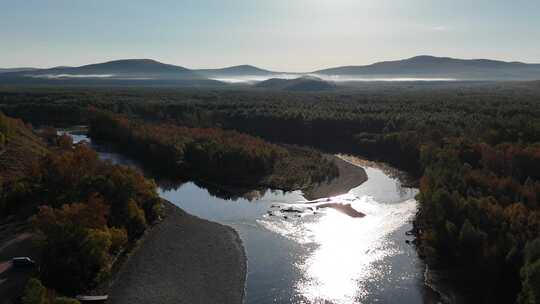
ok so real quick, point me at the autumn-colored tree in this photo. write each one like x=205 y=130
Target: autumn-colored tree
x=65 y=142
x=35 y=292
x=530 y=274
x=64 y=300
x=76 y=245
x=211 y=153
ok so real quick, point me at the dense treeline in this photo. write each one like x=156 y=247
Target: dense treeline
x=212 y=154
x=36 y=293
x=381 y=121
x=19 y=147
x=479 y=209
x=475 y=147
x=85 y=212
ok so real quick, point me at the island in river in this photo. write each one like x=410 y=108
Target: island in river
x=212 y=155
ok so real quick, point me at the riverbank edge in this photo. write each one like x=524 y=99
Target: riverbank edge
x=135 y=282
x=350 y=176
x=444 y=281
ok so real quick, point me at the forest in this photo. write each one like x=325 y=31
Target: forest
x=85 y=213
x=473 y=147
x=214 y=155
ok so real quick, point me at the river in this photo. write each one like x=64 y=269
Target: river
x=317 y=257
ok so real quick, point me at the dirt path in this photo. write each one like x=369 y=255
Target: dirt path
x=184 y=259
x=4 y=266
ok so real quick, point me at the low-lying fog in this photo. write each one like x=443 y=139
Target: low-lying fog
x=257 y=78
x=333 y=78
x=54 y=76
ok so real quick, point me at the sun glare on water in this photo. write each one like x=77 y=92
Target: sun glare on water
x=344 y=248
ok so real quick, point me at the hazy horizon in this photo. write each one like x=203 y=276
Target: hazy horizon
x=299 y=36
x=285 y=73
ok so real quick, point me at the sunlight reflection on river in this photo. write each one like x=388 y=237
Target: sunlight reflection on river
x=345 y=248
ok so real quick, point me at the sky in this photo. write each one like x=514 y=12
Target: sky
x=281 y=35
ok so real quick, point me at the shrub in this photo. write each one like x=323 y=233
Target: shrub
x=64 y=300
x=35 y=292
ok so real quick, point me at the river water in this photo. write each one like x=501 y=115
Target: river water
x=321 y=256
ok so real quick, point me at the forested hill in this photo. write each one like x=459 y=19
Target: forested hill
x=118 y=68
x=10 y=70
x=305 y=83
x=76 y=215
x=19 y=148
x=441 y=67
x=235 y=71
x=117 y=72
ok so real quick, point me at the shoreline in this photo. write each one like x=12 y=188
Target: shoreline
x=183 y=259
x=350 y=176
x=404 y=177
x=148 y=274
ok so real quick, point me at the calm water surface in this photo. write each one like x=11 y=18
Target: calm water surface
x=322 y=257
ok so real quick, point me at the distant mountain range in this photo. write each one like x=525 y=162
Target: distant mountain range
x=440 y=67
x=117 y=72
x=127 y=68
x=151 y=72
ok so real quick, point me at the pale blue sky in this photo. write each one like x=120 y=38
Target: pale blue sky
x=286 y=35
